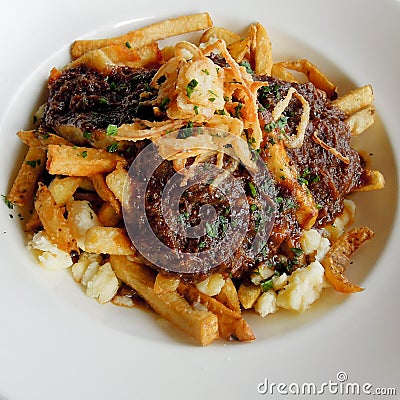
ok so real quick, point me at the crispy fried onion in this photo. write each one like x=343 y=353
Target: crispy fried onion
x=331 y=149
x=294 y=141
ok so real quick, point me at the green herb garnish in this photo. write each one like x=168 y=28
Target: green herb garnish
x=112 y=130
x=190 y=87
x=112 y=148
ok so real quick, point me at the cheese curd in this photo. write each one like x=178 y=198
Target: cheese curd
x=304 y=287
x=48 y=254
x=266 y=303
x=211 y=285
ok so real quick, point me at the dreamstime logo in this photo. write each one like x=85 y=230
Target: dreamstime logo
x=156 y=198
x=339 y=386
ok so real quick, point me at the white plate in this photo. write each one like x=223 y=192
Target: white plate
x=58 y=344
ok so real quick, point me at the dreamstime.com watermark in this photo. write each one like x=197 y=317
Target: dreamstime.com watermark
x=339 y=386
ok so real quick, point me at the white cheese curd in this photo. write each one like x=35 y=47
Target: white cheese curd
x=266 y=303
x=85 y=259
x=279 y=282
x=81 y=218
x=312 y=242
x=304 y=287
x=211 y=285
x=48 y=254
x=104 y=284
x=263 y=272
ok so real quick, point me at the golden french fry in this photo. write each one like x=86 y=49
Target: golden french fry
x=148 y=34
x=80 y=161
x=313 y=74
x=219 y=33
x=372 y=180
x=105 y=58
x=108 y=216
x=40 y=139
x=167 y=52
x=116 y=181
x=100 y=185
x=262 y=51
x=33 y=223
x=62 y=189
x=25 y=184
x=361 y=120
x=199 y=324
x=230 y=323
x=280 y=72
x=248 y=294
x=108 y=240
x=228 y=296
x=239 y=49
x=52 y=218
x=338 y=256
x=355 y=100
x=165 y=284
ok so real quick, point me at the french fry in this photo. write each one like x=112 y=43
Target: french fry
x=228 y=296
x=338 y=256
x=116 y=181
x=239 y=49
x=199 y=324
x=148 y=34
x=52 y=218
x=280 y=72
x=219 y=33
x=80 y=161
x=100 y=185
x=230 y=323
x=248 y=294
x=372 y=180
x=313 y=74
x=355 y=100
x=63 y=189
x=105 y=58
x=25 y=184
x=165 y=284
x=108 y=240
x=33 y=223
x=108 y=216
x=262 y=51
x=40 y=139
x=361 y=120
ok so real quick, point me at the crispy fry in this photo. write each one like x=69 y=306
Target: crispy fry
x=62 y=189
x=40 y=139
x=219 y=33
x=53 y=221
x=280 y=72
x=108 y=216
x=355 y=100
x=165 y=284
x=199 y=324
x=105 y=58
x=248 y=294
x=80 y=161
x=338 y=256
x=361 y=120
x=100 y=185
x=372 y=180
x=148 y=34
x=262 y=51
x=228 y=296
x=313 y=74
x=33 y=223
x=108 y=240
x=239 y=49
x=25 y=184
x=116 y=181
x=230 y=323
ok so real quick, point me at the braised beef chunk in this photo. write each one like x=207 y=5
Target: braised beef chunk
x=327 y=177
x=88 y=99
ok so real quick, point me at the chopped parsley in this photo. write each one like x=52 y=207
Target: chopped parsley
x=164 y=103
x=113 y=86
x=103 y=100
x=247 y=65
x=211 y=99
x=212 y=230
x=7 y=202
x=88 y=135
x=33 y=163
x=297 y=251
x=112 y=148
x=266 y=285
x=128 y=45
x=237 y=110
x=271 y=89
x=253 y=207
x=186 y=131
x=205 y=71
x=220 y=112
x=253 y=189
x=84 y=154
x=112 y=130
x=279 y=124
x=190 y=87
x=196 y=109
x=201 y=245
